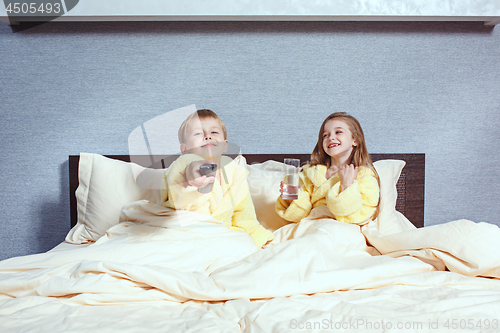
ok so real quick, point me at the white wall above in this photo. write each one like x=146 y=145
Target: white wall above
x=269 y=10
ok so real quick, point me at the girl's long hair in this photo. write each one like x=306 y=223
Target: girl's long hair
x=359 y=155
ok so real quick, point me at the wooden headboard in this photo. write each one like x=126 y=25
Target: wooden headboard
x=410 y=186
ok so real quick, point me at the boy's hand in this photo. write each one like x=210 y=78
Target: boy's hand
x=348 y=174
x=193 y=176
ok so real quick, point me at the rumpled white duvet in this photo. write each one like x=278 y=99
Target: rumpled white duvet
x=167 y=271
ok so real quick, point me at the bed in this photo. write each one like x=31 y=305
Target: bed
x=131 y=265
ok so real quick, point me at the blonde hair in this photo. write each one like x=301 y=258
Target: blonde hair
x=200 y=114
x=359 y=155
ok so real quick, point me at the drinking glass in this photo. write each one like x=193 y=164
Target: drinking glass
x=291 y=179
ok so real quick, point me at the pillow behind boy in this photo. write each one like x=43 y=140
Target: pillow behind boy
x=105 y=186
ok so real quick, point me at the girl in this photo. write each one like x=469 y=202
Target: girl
x=341 y=176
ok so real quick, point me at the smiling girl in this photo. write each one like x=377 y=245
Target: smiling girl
x=341 y=176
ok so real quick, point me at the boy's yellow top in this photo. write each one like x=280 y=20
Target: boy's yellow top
x=353 y=205
x=229 y=201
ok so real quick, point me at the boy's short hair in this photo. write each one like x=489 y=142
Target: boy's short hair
x=200 y=114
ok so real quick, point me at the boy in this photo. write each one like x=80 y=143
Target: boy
x=203 y=140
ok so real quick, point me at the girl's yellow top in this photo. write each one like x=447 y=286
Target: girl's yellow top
x=354 y=205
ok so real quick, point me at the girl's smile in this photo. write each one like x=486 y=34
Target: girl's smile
x=338 y=142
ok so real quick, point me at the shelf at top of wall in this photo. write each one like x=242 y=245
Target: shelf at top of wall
x=487 y=11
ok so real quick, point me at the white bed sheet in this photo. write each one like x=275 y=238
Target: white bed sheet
x=153 y=273
x=65 y=246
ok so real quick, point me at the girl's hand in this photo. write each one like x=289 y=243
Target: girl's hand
x=348 y=174
x=193 y=176
x=281 y=192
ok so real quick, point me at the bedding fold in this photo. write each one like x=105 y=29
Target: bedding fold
x=187 y=255
x=180 y=260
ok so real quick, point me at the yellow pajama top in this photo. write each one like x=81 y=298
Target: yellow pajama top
x=354 y=205
x=229 y=201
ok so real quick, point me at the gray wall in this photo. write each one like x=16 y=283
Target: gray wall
x=422 y=87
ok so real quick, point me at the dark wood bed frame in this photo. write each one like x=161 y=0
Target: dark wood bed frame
x=410 y=185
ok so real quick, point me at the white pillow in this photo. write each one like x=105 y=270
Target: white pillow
x=264 y=182
x=389 y=220
x=105 y=186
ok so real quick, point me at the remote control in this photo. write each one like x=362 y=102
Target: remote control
x=205 y=169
